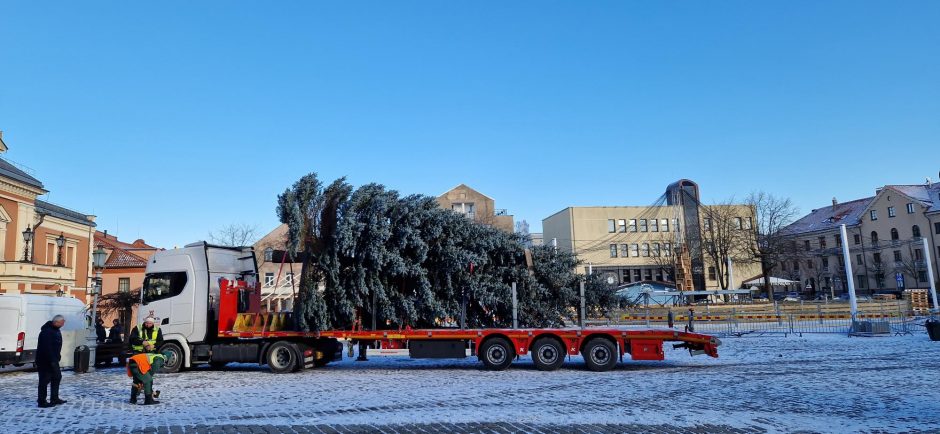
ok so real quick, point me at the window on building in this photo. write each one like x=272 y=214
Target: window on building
x=635 y=250
x=936 y=228
x=796 y=265
x=857 y=238
x=656 y=250
x=891 y=212
x=738 y=223
x=806 y=245
x=915 y=230
x=643 y=227
x=648 y=272
x=918 y=255
x=825 y=262
x=876 y=258
x=921 y=275
x=664 y=225
x=289 y=279
x=707 y=223
x=645 y=250
x=124 y=284
x=624 y=250
x=667 y=249
x=465 y=208
x=632 y=225
x=822 y=242
x=838 y=239
x=268 y=279
x=910 y=208
x=748 y=223
x=621 y=225
x=810 y=264
x=659 y=275
x=897 y=256
x=654 y=225
x=675 y=225
x=611 y=226
x=712 y=275
x=880 y=280
x=873 y=214
x=874 y=237
x=894 y=234
x=637 y=275
x=862 y=281
x=268 y=254
x=859 y=260
x=613 y=250
x=70 y=256
x=784 y=266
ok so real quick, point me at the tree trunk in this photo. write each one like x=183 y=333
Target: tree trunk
x=765 y=270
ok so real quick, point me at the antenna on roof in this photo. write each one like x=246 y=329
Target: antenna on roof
x=927 y=181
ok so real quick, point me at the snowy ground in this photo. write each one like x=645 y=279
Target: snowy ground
x=822 y=383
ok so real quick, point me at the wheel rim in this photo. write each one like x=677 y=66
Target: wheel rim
x=600 y=355
x=548 y=354
x=496 y=354
x=281 y=358
x=172 y=361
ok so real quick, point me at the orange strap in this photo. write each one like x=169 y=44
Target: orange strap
x=142 y=361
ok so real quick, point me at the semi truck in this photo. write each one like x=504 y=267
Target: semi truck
x=207 y=301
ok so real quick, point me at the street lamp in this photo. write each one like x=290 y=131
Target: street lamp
x=60 y=242
x=99 y=256
x=27 y=237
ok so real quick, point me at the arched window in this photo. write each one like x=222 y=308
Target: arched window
x=894 y=234
x=874 y=237
x=916 y=231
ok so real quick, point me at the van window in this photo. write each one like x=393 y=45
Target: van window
x=158 y=286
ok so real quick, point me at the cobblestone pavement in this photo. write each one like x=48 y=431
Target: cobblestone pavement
x=764 y=384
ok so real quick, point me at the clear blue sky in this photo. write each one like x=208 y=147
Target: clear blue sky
x=171 y=119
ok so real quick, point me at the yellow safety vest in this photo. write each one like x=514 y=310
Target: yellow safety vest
x=143 y=338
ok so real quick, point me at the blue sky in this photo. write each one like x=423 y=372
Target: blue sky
x=171 y=119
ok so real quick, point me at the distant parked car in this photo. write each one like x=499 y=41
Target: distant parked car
x=779 y=296
x=822 y=297
x=792 y=296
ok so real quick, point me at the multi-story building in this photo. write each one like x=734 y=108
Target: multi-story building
x=44 y=248
x=885 y=233
x=477 y=206
x=278 y=284
x=125 y=265
x=640 y=243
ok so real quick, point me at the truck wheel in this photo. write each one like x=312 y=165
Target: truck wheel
x=175 y=360
x=600 y=355
x=548 y=354
x=496 y=354
x=282 y=358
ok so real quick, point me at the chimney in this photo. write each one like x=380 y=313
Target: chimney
x=834 y=203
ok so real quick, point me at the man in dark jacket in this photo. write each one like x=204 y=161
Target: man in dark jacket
x=100 y=332
x=114 y=335
x=48 y=354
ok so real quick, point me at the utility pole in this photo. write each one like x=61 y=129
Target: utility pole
x=849 y=281
x=581 y=318
x=515 y=308
x=933 y=284
x=730 y=274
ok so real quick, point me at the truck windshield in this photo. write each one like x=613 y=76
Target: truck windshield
x=158 y=286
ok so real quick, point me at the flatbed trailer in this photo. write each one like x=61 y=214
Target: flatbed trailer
x=602 y=347
x=207 y=301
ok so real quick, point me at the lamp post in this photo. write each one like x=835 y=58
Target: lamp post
x=27 y=237
x=60 y=243
x=98 y=259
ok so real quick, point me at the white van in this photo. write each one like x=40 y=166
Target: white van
x=23 y=315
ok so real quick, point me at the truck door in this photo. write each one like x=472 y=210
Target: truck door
x=168 y=295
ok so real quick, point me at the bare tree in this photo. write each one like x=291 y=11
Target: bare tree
x=121 y=303
x=234 y=235
x=724 y=237
x=767 y=240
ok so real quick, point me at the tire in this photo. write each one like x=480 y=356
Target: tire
x=600 y=355
x=496 y=354
x=548 y=354
x=174 y=363
x=282 y=358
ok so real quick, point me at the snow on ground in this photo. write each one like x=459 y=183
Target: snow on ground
x=825 y=383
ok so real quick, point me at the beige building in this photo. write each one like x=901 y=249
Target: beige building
x=629 y=244
x=278 y=282
x=477 y=206
x=885 y=239
x=44 y=248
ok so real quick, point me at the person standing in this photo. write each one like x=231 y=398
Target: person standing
x=100 y=332
x=48 y=356
x=148 y=332
x=114 y=335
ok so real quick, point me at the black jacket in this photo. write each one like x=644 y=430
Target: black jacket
x=100 y=331
x=49 y=348
x=114 y=335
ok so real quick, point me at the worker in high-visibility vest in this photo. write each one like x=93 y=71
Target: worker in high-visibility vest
x=142 y=367
x=147 y=332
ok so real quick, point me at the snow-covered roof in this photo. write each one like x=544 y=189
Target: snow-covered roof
x=830 y=217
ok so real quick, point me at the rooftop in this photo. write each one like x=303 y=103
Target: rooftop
x=63 y=213
x=8 y=170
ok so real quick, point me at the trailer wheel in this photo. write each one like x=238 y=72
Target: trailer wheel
x=496 y=354
x=282 y=358
x=600 y=354
x=175 y=360
x=548 y=354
